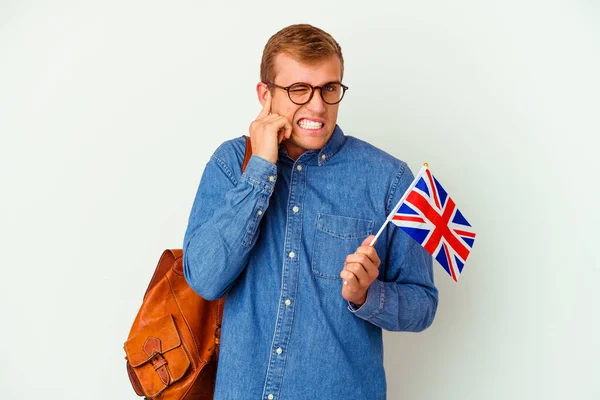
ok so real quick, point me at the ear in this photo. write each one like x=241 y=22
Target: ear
x=261 y=92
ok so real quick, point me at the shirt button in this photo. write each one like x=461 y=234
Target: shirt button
x=279 y=350
x=288 y=302
x=259 y=212
x=270 y=396
x=299 y=167
x=296 y=209
x=271 y=178
x=292 y=254
x=323 y=157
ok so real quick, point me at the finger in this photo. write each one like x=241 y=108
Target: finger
x=361 y=259
x=281 y=124
x=350 y=280
x=258 y=126
x=277 y=121
x=370 y=253
x=286 y=131
x=266 y=107
x=274 y=124
x=282 y=121
x=371 y=269
x=359 y=272
x=270 y=118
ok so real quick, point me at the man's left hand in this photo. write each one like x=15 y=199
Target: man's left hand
x=360 y=270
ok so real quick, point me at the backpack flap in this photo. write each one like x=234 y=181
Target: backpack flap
x=157 y=357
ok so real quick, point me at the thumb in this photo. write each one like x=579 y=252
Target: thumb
x=368 y=240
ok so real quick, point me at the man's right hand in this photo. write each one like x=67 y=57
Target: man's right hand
x=268 y=131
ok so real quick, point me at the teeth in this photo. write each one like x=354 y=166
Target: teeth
x=306 y=124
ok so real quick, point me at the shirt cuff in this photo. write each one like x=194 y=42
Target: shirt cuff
x=260 y=172
x=374 y=303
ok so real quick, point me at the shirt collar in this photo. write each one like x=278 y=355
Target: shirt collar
x=335 y=142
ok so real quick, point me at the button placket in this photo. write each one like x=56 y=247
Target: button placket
x=291 y=270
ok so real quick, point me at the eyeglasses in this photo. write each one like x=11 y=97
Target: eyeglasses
x=301 y=93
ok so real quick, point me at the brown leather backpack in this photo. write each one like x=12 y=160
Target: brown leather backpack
x=173 y=346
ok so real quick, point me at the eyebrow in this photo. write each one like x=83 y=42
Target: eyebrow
x=306 y=83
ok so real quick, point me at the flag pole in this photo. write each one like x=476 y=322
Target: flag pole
x=391 y=215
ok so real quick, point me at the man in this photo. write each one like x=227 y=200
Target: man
x=288 y=240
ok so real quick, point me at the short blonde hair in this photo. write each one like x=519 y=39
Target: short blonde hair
x=302 y=42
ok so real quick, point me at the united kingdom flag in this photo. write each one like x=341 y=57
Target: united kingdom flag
x=431 y=217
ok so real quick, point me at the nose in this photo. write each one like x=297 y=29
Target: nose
x=316 y=104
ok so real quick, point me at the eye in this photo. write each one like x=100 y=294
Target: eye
x=331 y=87
x=299 y=89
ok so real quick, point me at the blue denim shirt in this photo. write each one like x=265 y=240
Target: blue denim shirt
x=274 y=240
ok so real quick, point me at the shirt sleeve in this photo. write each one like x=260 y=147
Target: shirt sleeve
x=403 y=297
x=224 y=222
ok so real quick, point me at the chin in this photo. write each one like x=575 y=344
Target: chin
x=310 y=143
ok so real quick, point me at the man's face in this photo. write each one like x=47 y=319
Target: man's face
x=305 y=136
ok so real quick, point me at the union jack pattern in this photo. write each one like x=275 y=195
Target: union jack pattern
x=431 y=217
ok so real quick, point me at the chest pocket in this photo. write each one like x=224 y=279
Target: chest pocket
x=336 y=237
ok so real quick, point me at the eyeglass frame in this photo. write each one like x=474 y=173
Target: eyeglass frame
x=287 y=89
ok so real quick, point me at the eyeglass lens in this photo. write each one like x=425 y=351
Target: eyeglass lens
x=331 y=92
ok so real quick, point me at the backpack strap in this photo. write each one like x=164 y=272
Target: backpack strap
x=248 y=153
x=166 y=261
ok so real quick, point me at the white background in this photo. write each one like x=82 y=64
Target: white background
x=109 y=111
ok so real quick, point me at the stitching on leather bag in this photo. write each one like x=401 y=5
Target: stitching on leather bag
x=186 y=322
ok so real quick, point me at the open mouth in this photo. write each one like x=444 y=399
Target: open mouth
x=310 y=125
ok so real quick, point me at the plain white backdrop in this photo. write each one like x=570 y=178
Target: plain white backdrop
x=109 y=111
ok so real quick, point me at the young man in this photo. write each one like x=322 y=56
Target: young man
x=288 y=240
